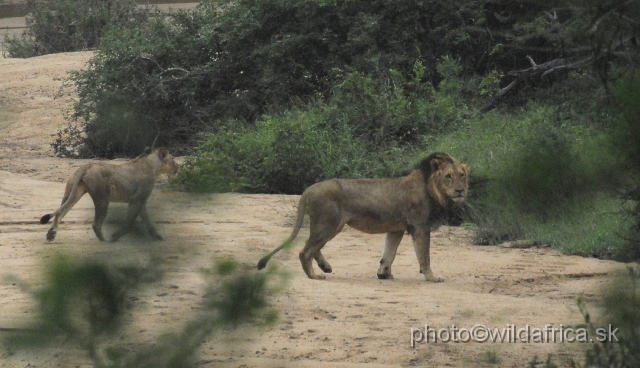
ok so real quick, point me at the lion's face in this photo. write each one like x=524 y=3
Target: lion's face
x=449 y=181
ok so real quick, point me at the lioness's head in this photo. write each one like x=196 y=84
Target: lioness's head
x=169 y=166
x=447 y=178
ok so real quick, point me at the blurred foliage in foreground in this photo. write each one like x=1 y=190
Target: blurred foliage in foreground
x=621 y=305
x=82 y=305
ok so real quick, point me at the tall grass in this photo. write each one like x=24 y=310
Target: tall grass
x=546 y=183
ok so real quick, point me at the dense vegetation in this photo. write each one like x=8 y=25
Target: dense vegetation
x=274 y=95
x=71 y=25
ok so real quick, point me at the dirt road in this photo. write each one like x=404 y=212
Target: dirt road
x=349 y=319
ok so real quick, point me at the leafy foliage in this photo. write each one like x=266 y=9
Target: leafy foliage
x=546 y=175
x=627 y=137
x=70 y=25
x=82 y=303
x=622 y=314
x=361 y=131
x=197 y=69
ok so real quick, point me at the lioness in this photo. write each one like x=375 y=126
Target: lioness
x=416 y=203
x=131 y=183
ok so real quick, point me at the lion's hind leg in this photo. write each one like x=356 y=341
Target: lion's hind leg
x=322 y=263
x=391 y=243
x=101 y=208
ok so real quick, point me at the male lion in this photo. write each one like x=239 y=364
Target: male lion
x=131 y=183
x=417 y=203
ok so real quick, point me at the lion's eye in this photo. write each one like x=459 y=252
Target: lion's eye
x=461 y=175
x=448 y=176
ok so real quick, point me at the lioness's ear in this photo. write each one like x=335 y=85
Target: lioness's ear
x=465 y=167
x=436 y=164
x=162 y=153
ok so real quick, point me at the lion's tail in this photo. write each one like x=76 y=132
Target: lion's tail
x=263 y=262
x=78 y=178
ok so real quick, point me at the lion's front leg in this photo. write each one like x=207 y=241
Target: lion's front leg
x=422 y=244
x=391 y=243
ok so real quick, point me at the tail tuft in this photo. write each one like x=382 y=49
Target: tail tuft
x=263 y=263
x=44 y=219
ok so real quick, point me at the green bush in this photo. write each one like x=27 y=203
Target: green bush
x=283 y=155
x=81 y=305
x=366 y=129
x=621 y=306
x=627 y=138
x=545 y=178
x=238 y=60
x=70 y=25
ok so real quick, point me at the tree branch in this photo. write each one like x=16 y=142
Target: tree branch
x=541 y=70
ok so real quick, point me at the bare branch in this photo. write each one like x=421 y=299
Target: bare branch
x=537 y=70
x=498 y=96
x=576 y=65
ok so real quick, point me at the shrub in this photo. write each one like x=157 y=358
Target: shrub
x=364 y=130
x=70 y=25
x=82 y=305
x=241 y=59
x=283 y=155
x=621 y=305
x=627 y=139
x=542 y=177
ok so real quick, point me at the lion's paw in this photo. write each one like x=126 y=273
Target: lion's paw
x=325 y=267
x=51 y=234
x=432 y=278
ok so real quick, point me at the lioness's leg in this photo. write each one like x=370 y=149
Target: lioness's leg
x=132 y=213
x=421 y=244
x=101 y=207
x=75 y=197
x=391 y=243
x=149 y=224
x=322 y=230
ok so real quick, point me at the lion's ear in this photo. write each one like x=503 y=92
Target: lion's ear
x=465 y=167
x=436 y=164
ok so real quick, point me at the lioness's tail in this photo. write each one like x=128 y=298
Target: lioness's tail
x=78 y=178
x=263 y=262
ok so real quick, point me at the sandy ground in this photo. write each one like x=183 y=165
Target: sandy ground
x=350 y=319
